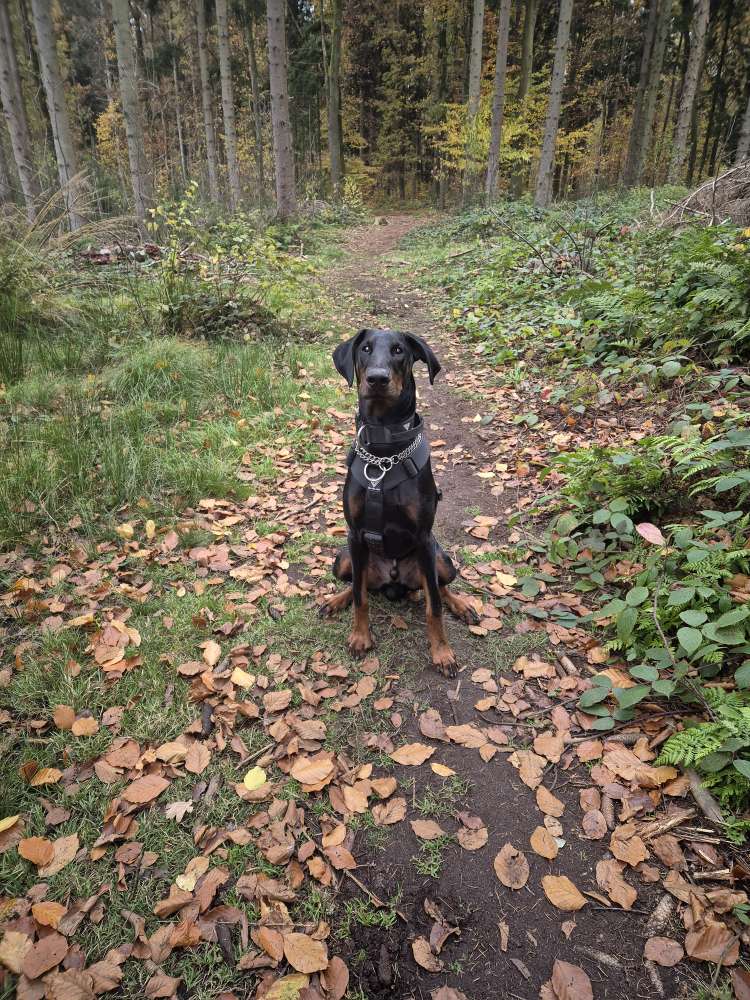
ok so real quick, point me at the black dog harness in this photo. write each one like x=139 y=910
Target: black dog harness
x=379 y=474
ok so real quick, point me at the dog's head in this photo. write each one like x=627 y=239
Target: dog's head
x=382 y=361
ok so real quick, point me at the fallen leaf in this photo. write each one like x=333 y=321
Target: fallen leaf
x=594 y=824
x=304 y=953
x=145 y=789
x=161 y=985
x=548 y=803
x=609 y=878
x=511 y=867
x=390 y=812
x=64 y=716
x=86 y=726
x=48 y=952
x=714 y=942
x=197 y=758
x=254 y=778
x=544 y=844
x=412 y=754
x=38 y=850
x=427 y=829
x=420 y=949
x=570 y=982
x=335 y=979
x=663 y=951
x=442 y=770
x=561 y=892
x=13 y=948
x=48 y=913
x=65 y=849
x=288 y=987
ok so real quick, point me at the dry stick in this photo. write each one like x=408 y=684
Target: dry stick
x=376 y=902
x=708 y=804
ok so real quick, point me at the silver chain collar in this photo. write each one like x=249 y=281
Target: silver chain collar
x=382 y=462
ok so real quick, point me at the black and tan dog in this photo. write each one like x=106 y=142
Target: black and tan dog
x=390 y=496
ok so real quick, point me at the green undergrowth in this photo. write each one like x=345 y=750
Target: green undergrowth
x=148 y=378
x=597 y=305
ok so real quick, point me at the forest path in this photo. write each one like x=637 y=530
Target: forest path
x=470 y=424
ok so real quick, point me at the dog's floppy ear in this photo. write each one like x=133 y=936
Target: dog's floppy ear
x=343 y=356
x=423 y=352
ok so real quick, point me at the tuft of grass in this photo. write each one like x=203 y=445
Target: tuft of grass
x=431 y=857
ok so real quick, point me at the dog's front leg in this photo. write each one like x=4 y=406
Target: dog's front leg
x=443 y=658
x=360 y=638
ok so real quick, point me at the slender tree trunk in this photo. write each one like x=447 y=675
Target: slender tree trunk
x=648 y=113
x=227 y=103
x=527 y=50
x=6 y=188
x=743 y=143
x=14 y=110
x=635 y=140
x=283 y=152
x=334 y=102
x=177 y=99
x=475 y=59
x=718 y=88
x=545 y=175
x=701 y=11
x=474 y=92
x=65 y=152
x=524 y=82
x=498 y=99
x=257 y=111
x=207 y=102
x=131 y=109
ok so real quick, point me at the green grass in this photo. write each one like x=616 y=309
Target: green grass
x=431 y=857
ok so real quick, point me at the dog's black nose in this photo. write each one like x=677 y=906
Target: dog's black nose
x=378 y=377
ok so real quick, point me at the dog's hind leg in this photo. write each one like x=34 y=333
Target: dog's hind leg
x=455 y=603
x=342 y=570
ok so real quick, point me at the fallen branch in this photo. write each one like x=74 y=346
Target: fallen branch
x=708 y=804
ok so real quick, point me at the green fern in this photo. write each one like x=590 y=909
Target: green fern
x=689 y=747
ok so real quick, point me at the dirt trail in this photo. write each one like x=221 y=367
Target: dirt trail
x=606 y=941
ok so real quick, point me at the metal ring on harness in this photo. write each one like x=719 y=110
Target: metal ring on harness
x=374 y=481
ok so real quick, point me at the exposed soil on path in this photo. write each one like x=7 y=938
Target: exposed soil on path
x=605 y=940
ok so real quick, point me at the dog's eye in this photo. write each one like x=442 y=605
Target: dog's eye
x=367 y=349
x=397 y=349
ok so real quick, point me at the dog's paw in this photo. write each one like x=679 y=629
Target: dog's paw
x=359 y=643
x=334 y=603
x=444 y=660
x=468 y=615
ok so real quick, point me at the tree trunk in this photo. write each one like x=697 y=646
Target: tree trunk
x=498 y=99
x=131 y=109
x=635 y=140
x=14 y=110
x=227 y=103
x=474 y=92
x=6 y=189
x=177 y=99
x=743 y=143
x=65 y=152
x=656 y=64
x=475 y=59
x=257 y=115
x=527 y=50
x=334 y=102
x=699 y=25
x=207 y=102
x=545 y=175
x=718 y=88
x=524 y=82
x=286 y=198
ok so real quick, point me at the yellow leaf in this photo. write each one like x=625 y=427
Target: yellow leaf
x=442 y=770
x=242 y=678
x=254 y=778
x=7 y=823
x=150 y=529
